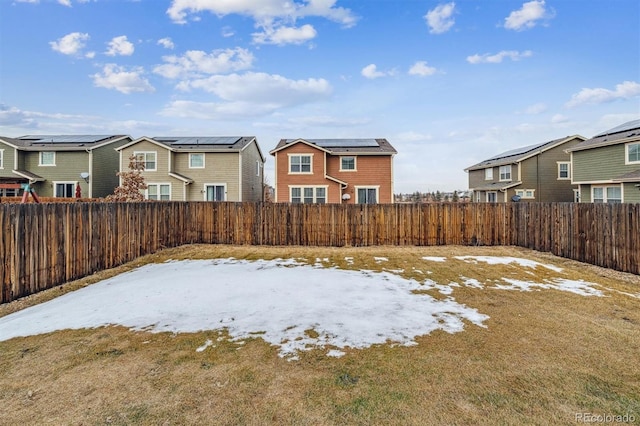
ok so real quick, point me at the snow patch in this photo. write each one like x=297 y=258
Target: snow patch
x=505 y=260
x=434 y=258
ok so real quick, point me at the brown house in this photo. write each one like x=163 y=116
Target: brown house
x=540 y=172
x=334 y=171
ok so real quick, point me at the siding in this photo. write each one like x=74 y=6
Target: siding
x=106 y=163
x=600 y=164
x=161 y=175
x=8 y=156
x=251 y=183
x=371 y=170
x=316 y=178
x=220 y=168
x=68 y=167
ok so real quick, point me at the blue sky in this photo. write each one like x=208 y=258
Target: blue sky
x=449 y=84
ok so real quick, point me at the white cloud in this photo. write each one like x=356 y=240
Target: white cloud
x=65 y=2
x=118 y=78
x=216 y=110
x=624 y=90
x=371 y=71
x=439 y=19
x=498 y=57
x=261 y=88
x=526 y=17
x=535 y=109
x=120 y=46
x=559 y=118
x=285 y=35
x=422 y=69
x=71 y=44
x=195 y=63
x=227 y=32
x=262 y=10
x=166 y=42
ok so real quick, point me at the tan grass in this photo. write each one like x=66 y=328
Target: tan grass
x=544 y=356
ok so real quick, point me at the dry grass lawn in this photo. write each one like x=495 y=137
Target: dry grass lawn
x=544 y=357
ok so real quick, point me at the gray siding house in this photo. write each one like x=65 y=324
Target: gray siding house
x=224 y=168
x=606 y=168
x=54 y=165
x=540 y=172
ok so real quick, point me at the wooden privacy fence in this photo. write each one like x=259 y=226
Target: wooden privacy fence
x=45 y=245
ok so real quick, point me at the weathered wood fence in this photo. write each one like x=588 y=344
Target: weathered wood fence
x=45 y=245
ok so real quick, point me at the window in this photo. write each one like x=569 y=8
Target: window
x=196 y=161
x=9 y=192
x=478 y=196
x=347 y=163
x=148 y=159
x=309 y=194
x=633 y=153
x=257 y=168
x=47 y=159
x=300 y=163
x=564 y=170
x=526 y=193
x=505 y=172
x=64 y=189
x=492 y=197
x=367 y=195
x=488 y=174
x=159 y=191
x=1 y=158
x=215 y=192
x=606 y=194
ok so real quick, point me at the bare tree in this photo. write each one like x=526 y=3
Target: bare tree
x=132 y=183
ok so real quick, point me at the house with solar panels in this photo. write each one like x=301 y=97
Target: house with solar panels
x=606 y=168
x=57 y=165
x=334 y=171
x=539 y=172
x=227 y=168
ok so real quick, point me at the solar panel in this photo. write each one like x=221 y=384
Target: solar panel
x=517 y=151
x=634 y=124
x=198 y=140
x=64 y=138
x=342 y=143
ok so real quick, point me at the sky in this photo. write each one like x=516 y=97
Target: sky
x=449 y=84
x=280 y=300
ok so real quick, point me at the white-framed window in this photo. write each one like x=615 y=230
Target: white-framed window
x=158 y=191
x=488 y=173
x=196 y=160
x=148 y=158
x=492 y=196
x=9 y=192
x=576 y=195
x=64 y=189
x=505 y=172
x=632 y=153
x=308 y=194
x=1 y=158
x=606 y=194
x=564 y=170
x=367 y=194
x=257 y=168
x=478 y=196
x=347 y=164
x=47 y=158
x=526 y=193
x=300 y=163
x=215 y=192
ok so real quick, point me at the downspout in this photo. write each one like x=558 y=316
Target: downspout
x=91 y=175
x=240 y=197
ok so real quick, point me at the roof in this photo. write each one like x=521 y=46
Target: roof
x=519 y=154
x=28 y=175
x=369 y=146
x=199 y=143
x=495 y=186
x=623 y=133
x=61 y=142
x=629 y=177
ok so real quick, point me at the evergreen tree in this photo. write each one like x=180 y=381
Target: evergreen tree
x=455 y=197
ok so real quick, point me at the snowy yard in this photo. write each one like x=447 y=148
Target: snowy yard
x=289 y=303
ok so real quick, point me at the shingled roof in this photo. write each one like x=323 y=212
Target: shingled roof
x=619 y=134
x=369 y=146
x=60 y=142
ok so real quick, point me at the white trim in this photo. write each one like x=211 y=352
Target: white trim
x=523 y=194
x=315 y=192
x=1 y=158
x=626 y=153
x=593 y=182
x=486 y=197
x=136 y=153
x=310 y=172
x=63 y=182
x=204 y=191
x=568 y=164
x=90 y=183
x=191 y=154
x=604 y=191
x=355 y=163
x=488 y=176
x=376 y=187
x=158 y=184
x=510 y=178
x=40 y=159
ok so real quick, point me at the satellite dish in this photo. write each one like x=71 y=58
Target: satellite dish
x=346 y=196
x=515 y=198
